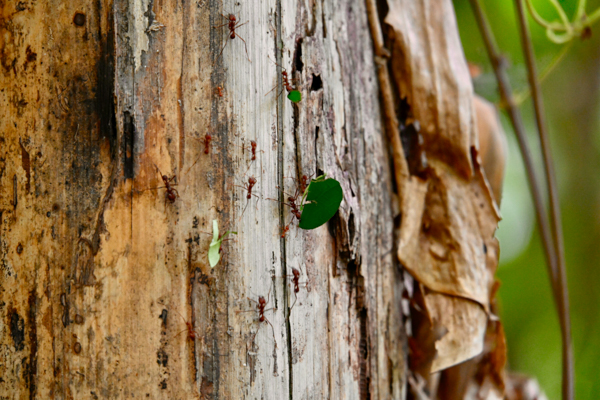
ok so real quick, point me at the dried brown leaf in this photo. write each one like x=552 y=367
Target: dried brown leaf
x=449 y=214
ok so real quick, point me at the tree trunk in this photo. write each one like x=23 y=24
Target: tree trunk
x=100 y=270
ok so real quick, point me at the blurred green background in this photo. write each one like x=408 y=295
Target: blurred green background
x=571 y=96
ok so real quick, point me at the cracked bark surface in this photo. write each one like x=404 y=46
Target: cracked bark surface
x=99 y=271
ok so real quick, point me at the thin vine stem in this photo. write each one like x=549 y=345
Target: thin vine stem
x=580 y=9
x=562 y=15
x=550 y=250
x=524 y=95
x=557 y=234
x=538 y=18
x=499 y=66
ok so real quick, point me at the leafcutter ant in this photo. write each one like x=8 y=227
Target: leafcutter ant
x=171 y=194
x=294 y=209
x=260 y=308
x=302 y=184
x=248 y=187
x=232 y=25
x=253 y=150
x=191 y=332
x=295 y=278
x=296 y=281
x=285 y=230
x=206 y=141
x=286 y=86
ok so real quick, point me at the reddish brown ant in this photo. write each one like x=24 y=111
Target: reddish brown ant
x=219 y=91
x=296 y=281
x=207 y=139
x=248 y=187
x=302 y=184
x=285 y=81
x=252 y=148
x=285 y=230
x=191 y=332
x=207 y=145
x=171 y=194
x=232 y=25
x=294 y=209
x=260 y=307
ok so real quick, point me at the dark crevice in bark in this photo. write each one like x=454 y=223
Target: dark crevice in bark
x=298 y=63
x=364 y=382
x=278 y=47
x=105 y=87
x=317 y=83
x=16 y=325
x=128 y=144
x=31 y=377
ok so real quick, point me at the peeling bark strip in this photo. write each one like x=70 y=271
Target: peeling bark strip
x=100 y=270
x=449 y=213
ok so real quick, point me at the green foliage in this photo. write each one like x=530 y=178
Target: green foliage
x=214 y=250
x=321 y=200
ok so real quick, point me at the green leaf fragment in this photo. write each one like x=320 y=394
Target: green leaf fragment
x=323 y=198
x=214 y=250
x=295 y=96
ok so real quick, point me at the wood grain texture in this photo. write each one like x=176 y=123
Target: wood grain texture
x=99 y=271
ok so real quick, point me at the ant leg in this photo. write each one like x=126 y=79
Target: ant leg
x=220 y=26
x=274 y=62
x=269 y=295
x=243 y=311
x=174 y=336
x=252 y=300
x=295 y=300
x=188 y=170
x=257 y=198
x=143 y=190
x=272 y=330
x=246 y=206
x=247 y=169
x=274 y=87
x=221 y=52
x=245 y=45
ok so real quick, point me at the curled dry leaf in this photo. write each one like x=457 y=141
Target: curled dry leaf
x=449 y=214
x=481 y=377
x=493 y=147
x=461 y=317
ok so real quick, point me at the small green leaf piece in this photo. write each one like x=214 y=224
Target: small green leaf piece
x=323 y=198
x=214 y=250
x=295 y=96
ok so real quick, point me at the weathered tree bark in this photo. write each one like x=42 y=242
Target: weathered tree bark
x=98 y=267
